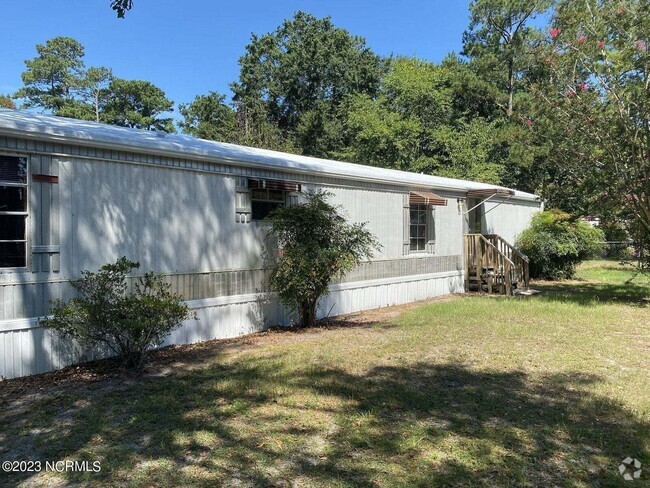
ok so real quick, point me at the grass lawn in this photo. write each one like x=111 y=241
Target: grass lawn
x=549 y=390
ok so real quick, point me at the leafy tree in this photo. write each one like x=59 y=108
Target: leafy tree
x=51 y=77
x=137 y=104
x=297 y=78
x=317 y=245
x=209 y=117
x=94 y=89
x=254 y=128
x=416 y=123
x=394 y=128
x=106 y=314
x=6 y=102
x=556 y=242
x=498 y=41
x=598 y=96
x=89 y=96
x=380 y=136
x=501 y=46
x=471 y=95
x=57 y=81
x=419 y=88
x=467 y=150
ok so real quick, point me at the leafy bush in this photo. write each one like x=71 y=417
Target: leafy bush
x=556 y=242
x=106 y=313
x=621 y=251
x=317 y=245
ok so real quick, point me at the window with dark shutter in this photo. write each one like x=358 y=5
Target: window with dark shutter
x=13 y=211
x=420 y=232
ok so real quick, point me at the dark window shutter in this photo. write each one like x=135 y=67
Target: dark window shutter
x=431 y=229
x=44 y=214
x=406 y=242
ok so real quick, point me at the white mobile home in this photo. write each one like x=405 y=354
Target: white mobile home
x=75 y=195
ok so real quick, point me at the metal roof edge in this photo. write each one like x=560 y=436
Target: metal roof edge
x=203 y=154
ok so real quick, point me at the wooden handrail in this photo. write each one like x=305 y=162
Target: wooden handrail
x=497 y=249
x=508 y=265
x=481 y=254
x=512 y=248
x=516 y=256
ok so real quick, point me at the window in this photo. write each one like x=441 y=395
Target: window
x=418 y=227
x=13 y=211
x=264 y=201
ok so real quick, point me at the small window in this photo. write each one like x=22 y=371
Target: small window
x=13 y=211
x=418 y=227
x=264 y=201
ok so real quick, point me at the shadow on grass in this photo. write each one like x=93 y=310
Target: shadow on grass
x=414 y=425
x=332 y=323
x=588 y=293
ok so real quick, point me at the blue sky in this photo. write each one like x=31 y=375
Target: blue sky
x=189 y=47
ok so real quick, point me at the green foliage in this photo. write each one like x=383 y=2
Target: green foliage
x=7 y=102
x=106 y=313
x=556 y=111
x=88 y=96
x=208 y=117
x=556 y=242
x=57 y=81
x=596 y=94
x=94 y=91
x=467 y=150
x=316 y=245
x=138 y=104
x=498 y=42
x=380 y=136
x=296 y=79
x=51 y=78
x=414 y=124
x=501 y=46
x=419 y=88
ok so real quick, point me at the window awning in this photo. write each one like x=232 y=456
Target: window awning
x=490 y=192
x=426 y=198
x=273 y=185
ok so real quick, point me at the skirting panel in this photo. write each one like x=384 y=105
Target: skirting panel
x=26 y=348
x=33 y=299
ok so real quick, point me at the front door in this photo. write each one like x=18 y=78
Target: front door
x=475 y=216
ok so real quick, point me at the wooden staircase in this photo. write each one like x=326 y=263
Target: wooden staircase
x=493 y=265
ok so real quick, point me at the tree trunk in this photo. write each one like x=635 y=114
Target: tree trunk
x=511 y=87
x=308 y=314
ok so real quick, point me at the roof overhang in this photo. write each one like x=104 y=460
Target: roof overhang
x=58 y=130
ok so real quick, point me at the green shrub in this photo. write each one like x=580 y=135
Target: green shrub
x=556 y=242
x=621 y=251
x=317 y=245
x=106 y=313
